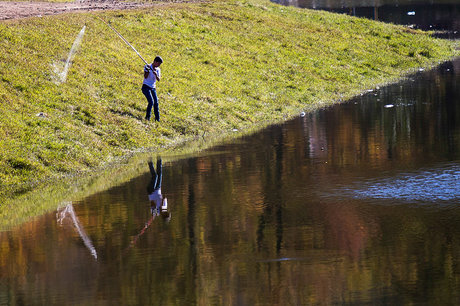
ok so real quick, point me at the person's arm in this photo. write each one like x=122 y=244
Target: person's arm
x=157 y=76
x=146 y=71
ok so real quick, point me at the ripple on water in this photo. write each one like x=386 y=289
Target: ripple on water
x=438 y=184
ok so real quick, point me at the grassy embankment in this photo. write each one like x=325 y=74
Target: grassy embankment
x=228 y=65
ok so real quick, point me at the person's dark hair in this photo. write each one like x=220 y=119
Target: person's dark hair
x=158 y=59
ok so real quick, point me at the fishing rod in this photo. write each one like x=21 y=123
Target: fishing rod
x=127 y=42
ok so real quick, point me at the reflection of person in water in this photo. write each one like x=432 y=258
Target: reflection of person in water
x=158 y=203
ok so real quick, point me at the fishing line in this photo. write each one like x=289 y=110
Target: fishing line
x=121 y=36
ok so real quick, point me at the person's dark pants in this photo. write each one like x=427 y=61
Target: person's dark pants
x=152 y=99
x=155 y=182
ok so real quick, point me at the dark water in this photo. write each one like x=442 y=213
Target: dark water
x=441 y=16
x=358 y=203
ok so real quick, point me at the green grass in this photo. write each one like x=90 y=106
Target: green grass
x=232 y=64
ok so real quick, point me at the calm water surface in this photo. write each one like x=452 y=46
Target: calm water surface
x=358 y=203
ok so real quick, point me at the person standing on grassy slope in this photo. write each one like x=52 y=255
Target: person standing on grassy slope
x=152 y=74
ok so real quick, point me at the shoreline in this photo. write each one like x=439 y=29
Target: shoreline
x=19 y=209
x=211 y=107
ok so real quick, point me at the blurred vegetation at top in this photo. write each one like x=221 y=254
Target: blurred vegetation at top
x=227 y=65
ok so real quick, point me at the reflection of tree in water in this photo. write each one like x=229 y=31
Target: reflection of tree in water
x=345 y=229
x=316 y=136
x=273 y=205
x=193 y=260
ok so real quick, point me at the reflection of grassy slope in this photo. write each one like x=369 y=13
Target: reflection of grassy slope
x=32 y=202
x=227 y=65
x=17 y=210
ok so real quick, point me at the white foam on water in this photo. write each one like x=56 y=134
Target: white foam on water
x=61 y=72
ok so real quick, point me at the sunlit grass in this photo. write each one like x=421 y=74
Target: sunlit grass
x=229 y=65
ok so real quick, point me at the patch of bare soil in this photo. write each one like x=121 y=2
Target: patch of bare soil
x=17 y=10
